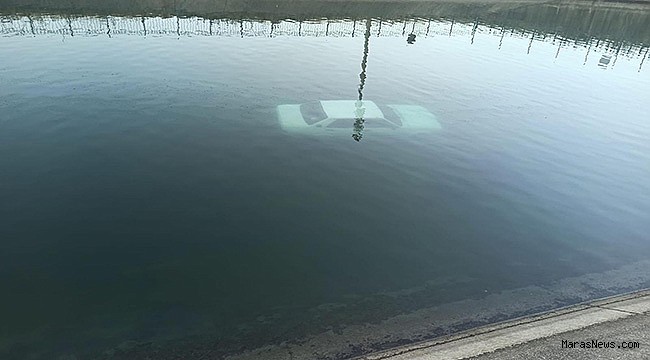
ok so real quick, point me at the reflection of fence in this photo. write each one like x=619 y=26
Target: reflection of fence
x=195 y=26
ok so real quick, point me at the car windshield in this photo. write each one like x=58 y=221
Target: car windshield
x=312 y=112
x=390 y=115
x=368 y=123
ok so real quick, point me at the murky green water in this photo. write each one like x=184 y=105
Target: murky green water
x=151 y=205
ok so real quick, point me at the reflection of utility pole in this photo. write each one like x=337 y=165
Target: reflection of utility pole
x=144 y=27
x=474 y=29
x=364 y=61
x=503 y=33
x=589 y=41
x=530 y=44
x=31 y=24
x=618 y=50
x=411 y=38
x=559 y=46
x=357 y=133
x=643 y=58
x=108 y=26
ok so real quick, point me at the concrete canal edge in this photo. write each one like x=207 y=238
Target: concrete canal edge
x=506 y=334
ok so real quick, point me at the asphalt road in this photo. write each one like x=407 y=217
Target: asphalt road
x=611 y=328
x=631 y=330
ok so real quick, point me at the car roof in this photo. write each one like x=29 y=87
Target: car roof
x=345 y=109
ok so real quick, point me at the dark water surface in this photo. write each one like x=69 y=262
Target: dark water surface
x=150 y=201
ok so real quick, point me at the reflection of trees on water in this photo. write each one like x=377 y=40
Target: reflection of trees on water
x=357 y=133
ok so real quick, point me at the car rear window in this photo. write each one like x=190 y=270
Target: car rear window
x=367 y=123
x=312 y=112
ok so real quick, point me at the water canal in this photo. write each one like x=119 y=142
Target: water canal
x=153 y=205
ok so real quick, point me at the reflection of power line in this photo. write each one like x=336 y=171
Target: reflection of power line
x=357 y=132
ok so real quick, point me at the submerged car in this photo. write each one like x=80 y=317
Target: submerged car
x=343 y=116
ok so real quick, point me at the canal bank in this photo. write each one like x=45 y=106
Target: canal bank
x=476 y=326
x=615 y=324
